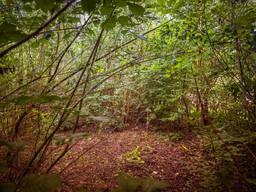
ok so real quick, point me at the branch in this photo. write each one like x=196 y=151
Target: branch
x=132 y=40
x=35 y=33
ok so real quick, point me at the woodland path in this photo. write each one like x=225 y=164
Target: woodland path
x=171 y=161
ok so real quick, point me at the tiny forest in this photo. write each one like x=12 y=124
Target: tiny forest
x=127 y=95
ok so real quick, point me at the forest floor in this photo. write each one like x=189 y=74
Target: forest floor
x=99 y=158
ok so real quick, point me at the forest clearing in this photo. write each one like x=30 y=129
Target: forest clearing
x=127 y=95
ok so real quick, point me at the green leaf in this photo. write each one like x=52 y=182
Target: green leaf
x=150 y=185
x=45 y=5
x=126 y=183
x=124 y=20
x=22 y=100
x=161 y=2
x=73 y=19
x=89 y=5
x=109 y=23
x=134 y=156
x=136 y=9
x=10 y=33
x=7 y=187
x=106 y=9
x=41 y=183
x=121 y=3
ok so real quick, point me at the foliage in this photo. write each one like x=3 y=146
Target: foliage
x=23 y=100
x=36 y=183
x=47 y=182
x=111 y=64
x=134 y=156
x=13 y=146
x=126 y=183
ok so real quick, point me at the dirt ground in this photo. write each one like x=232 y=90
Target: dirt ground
x=99 y=158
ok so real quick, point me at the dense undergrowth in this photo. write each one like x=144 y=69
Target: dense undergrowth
x=178 y=68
